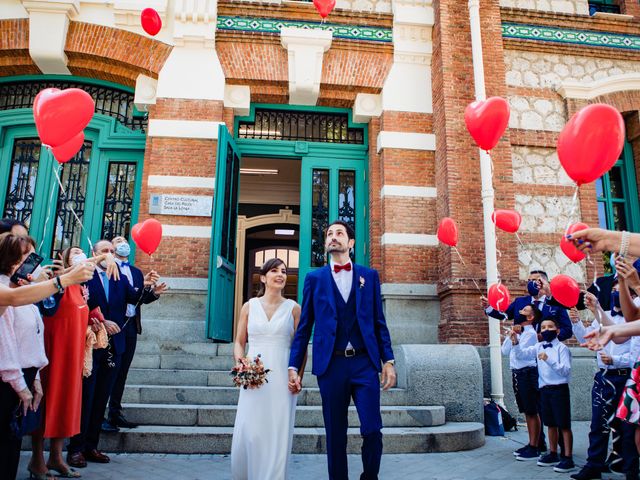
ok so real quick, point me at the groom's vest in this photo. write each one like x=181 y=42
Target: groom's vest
x=348 y=329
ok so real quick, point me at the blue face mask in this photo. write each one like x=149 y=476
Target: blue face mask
x=532 y=288
x=123 y=249
x=549 y=335
x=615 y=300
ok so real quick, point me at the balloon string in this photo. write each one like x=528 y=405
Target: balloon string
x=455 y=249
x=524 y=249
x=64 y=192
x=574 y=207
x=56 y=166
x=595 y=272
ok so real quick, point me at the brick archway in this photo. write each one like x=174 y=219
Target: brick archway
x=93 y=51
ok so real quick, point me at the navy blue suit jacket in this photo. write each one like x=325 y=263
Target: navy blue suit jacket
x=147 y=297
x=319 y=308
x=548 y=311
x=120 y=293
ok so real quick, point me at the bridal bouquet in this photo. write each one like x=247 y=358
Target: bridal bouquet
x=249 y=374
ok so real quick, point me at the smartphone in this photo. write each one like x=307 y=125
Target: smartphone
x=30 y=264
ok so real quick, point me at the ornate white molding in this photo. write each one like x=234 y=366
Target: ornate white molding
x=406 y=141
x=180 y=181
x=411 y=239
x=145 y=94
x=238 y=97
x=48 y=26
x=408 y=191
x=184 y=129
x=306 y=49
x=589 y=90
x=366 y=106
x=195 y=23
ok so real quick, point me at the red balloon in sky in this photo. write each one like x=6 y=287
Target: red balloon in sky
x=507 y=220
x=147 y=235
x=448 y=232
x=498 y=296
x=151 y=21
x=487 y=120
x=566 y=290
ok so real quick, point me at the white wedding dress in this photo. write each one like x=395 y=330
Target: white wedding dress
x=263 y=431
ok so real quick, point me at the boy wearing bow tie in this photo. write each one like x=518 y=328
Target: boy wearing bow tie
x=554 y=374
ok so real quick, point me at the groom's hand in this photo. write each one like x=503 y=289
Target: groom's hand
x=295 y=384
x=388 y=378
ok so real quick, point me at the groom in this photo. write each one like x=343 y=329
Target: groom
x=351 y=346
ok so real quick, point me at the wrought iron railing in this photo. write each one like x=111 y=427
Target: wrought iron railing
x=109 y=101
x=301 y=126
x=595 y=7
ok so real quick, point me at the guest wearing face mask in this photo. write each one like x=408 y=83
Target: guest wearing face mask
x=111 y=295
x=66 y=319
x=131 y=330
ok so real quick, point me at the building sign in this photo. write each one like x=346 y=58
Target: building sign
x=186 y=205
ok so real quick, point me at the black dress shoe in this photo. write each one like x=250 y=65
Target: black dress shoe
x=109 y=427
x=76 y=460
x=96 y=456
x=120 y=421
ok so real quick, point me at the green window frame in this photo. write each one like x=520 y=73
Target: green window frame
x=111 y=143
x=617 y=195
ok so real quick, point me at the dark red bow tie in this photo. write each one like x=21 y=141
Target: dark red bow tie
x=346 y=268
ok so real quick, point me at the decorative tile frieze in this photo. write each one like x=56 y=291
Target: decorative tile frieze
x=585 y=38
x=271 y=25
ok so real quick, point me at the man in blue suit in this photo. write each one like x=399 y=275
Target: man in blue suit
x=351 y=346
x=131 y=330
x=111 y=296
x=539 y=296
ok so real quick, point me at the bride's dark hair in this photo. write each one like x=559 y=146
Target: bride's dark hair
x=266 y=267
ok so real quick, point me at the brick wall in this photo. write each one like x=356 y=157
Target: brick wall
x=14 y=48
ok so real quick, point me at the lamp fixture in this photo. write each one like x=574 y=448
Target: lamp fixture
x=258 y=171
x=280 y=231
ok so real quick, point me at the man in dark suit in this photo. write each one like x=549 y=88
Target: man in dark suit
x=111 y=296
x=539 y=297
x=351 y=346
x=131 y=330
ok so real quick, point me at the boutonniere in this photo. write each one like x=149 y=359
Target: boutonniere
x=361 y=282
x=85 y=293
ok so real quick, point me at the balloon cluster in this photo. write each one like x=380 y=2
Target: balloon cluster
x=588 y=146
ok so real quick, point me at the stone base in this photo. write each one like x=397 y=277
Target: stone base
x=412 y=312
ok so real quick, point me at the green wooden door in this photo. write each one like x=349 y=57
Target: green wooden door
x=331 y=189
x=222 y=262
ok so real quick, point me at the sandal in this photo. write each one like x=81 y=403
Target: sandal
x=40 y=476
x=68 y=473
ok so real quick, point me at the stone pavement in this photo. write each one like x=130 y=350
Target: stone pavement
x=493 y=461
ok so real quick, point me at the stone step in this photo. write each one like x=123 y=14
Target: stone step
x=186 y=362
x=206 y=395
x=306 y=416
x=449 y=437
x=220 y=378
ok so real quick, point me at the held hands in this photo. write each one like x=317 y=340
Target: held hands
x=26 y=400
x=606 y=359
x=295 y=382
x=388 y=377
x=627 y=271
x=111 y=327
x=151 y=278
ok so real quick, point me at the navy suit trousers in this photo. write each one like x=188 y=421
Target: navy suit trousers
x=348 y=378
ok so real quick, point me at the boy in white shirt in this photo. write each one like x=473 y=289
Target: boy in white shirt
x=524 y=374
x=554 y=374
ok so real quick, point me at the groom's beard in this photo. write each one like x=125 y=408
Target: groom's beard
x=336 y=248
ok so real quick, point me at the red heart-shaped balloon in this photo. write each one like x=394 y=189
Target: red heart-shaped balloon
x=565 y=290
x=591 y=142
x=487 y=120
x=67 y=151
x=147 y=235
x=498 y=296
x=567 y=246
x=507 y=220
x=448 y=232
x=324 y=7
x=61 y=114
x=151 y=21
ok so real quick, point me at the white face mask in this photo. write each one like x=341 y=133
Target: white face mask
x=79 y=258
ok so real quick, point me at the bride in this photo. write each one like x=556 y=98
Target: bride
x=263 y=430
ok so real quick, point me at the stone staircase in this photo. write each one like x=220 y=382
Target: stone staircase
x=182 y=396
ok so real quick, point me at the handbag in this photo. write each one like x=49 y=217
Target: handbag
x=21 y=425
